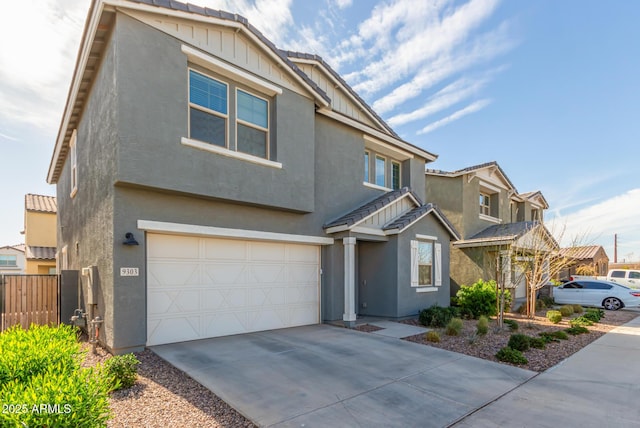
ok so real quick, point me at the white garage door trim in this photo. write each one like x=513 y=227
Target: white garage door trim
x=223 y=232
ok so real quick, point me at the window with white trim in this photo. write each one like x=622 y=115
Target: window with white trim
x=395 y=175
x=366 y=167
x=426 y=263
x=8 y=260
x=485 y=203
x=380 y=167
x=73 y=159
x=211 y=111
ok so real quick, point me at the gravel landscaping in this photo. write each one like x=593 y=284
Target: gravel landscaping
x=166 y=396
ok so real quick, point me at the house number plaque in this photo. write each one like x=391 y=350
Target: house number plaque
x=129 y=271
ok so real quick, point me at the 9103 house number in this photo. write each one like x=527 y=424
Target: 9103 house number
x=129 y=271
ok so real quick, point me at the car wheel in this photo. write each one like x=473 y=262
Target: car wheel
x=612 y=304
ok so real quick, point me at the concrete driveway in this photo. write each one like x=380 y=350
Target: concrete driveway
x=319 y=376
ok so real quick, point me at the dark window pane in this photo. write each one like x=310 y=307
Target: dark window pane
x=617 y=274
x=208 y=128
x=424 y=275
x=395 y=175
x=252 y=141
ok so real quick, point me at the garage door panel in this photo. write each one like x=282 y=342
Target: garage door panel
x=228 y=287
x=224 y=249
x=221 y=274
x=172 y=246
x=166 y=273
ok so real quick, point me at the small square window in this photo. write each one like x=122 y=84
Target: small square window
x=8 y=260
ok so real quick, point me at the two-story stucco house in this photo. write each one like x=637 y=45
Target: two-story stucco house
x=215 y=185
x=491 y=217
x=40 y=230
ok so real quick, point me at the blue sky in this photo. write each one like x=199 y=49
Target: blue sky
x=548 y=89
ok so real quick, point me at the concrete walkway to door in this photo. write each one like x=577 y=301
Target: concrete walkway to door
x=319 y=376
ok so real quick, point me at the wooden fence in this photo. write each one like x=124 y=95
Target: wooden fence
x=27 y=299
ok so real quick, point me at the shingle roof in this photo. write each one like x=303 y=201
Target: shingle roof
x=41 y=203
x=581 y=253
x=336 y=76
x=371 y=207
x=41 y=253
x=19 y=247
x=408 y=218
x=471 y=169
x=507 y=230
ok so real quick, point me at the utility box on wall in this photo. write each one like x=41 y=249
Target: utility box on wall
x=90 y=285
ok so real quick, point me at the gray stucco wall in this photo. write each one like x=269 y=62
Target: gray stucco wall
x=85 y=221
x=154 y=108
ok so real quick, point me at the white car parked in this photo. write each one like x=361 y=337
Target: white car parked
x=605 y=294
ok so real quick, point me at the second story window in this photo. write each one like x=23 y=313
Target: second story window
x=395 y=175
x=366 y=167
x=380 y=171
x=208 y=109
x=74 y=163
x=535 y=214
x=235 y=119
x=485 y=204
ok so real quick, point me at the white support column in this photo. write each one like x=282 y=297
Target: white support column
x=349 y=316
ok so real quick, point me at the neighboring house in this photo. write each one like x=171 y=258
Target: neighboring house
x=493 y=219
x=214 y=185
x=40 y=214
x=593 y=256
x=12 y=260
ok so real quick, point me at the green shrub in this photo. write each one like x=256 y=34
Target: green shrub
x=454 y=327
x=555 y=336
x=566 y=310
x=26 y=353
x=519 y=342
x=513 y=324
x=554 y=316
x=123 y=370
x=594 y=314
x=559 y=334
x=537 y=342
x=578 y=329
x=482 y=327
x=40 y=372
x=58 y=398
x=548 y=301
x=479 y=299
x=437 y=316
x=432 y=336
x=578 y=309
x=580 y=321
x=510 y=355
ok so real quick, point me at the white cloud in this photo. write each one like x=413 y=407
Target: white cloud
x=484 y=48
x=599 y=222
x=420 y=36
x=37 y=56
x=450 y=95
x=472 y=108
x=343 y=4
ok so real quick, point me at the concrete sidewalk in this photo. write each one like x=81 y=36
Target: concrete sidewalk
x=598 y=386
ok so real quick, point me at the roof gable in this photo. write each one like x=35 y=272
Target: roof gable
x=518 y=234
x=388 y=214
x=490 y=173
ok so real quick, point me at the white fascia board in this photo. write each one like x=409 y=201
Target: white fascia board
x=223 y=232
x=368 y=230
x=377 y=134
x=228 y=70
x=83 y=57
x=484 y=242
x=339 y=84
x=398 y=153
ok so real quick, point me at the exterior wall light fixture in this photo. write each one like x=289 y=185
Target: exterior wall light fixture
x=129 y=239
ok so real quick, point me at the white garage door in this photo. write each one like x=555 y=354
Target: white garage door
x=208 y=287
